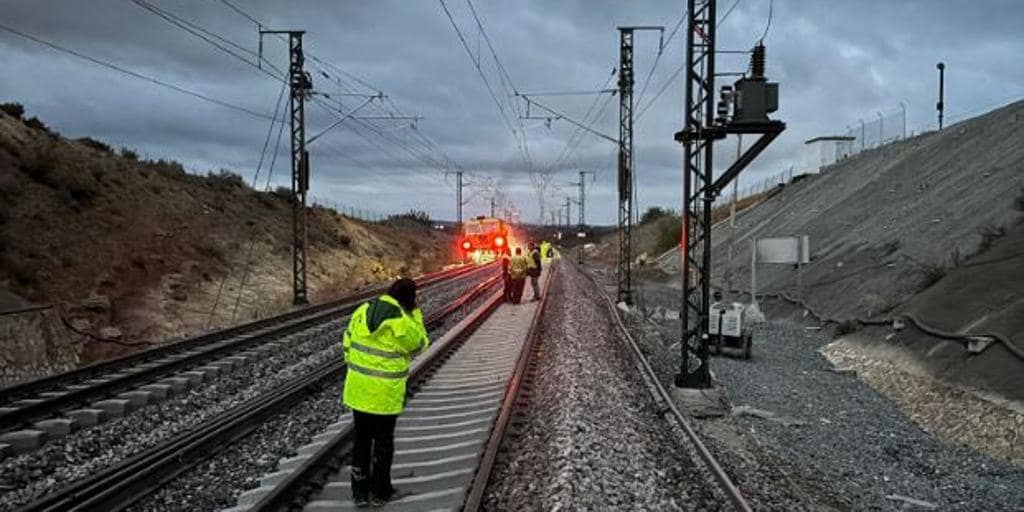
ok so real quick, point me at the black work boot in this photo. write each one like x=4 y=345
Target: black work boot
x=360 y=487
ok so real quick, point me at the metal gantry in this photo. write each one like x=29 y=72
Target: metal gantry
x=625 y=285
x=582 y=225
x=626 y=174
x=700 y=186
x=301 y=86
x=696 y=211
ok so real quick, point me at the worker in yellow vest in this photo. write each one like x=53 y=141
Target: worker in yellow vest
x=518 y=267
x=381 y=339
x=545 y=250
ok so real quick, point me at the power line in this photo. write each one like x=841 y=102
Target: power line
x=679 y=70
x=771 y=5
x=480 y=71
x=136 y=74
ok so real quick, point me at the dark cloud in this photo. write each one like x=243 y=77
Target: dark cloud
x=837 y=63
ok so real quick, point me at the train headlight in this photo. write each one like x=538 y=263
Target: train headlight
x=499 y=241
x=466 y=245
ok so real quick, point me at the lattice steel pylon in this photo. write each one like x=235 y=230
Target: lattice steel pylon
x=625 y=285
x=626 y=176
x=700 y=187
x=696 y=212
x=300 y=85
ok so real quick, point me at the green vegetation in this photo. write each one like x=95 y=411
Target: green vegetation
x=414 y=216
x=225 y=179
x=654 y=213
x=15 y=110
x=96 y=144
x=668 y=232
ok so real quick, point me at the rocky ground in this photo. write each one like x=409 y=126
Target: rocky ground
x=851 y=447
x=590 y=437
x=31 y=475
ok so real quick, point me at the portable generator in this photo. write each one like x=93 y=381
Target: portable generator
x=726 y=330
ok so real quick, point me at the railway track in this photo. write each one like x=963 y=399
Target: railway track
x=446 y=440
x=90 y=395
x=124 y=484
x=465 y=397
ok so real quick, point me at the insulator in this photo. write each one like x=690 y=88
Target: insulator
x=757 y=59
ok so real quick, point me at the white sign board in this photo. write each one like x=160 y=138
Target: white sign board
x=790 y=249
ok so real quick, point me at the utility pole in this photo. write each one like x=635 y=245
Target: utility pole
x=301 y=86
x=458 y=197
x=903 y=113
x=582 y=201
x=732 y=218
x=881 y=128
x=700 y=186
x=568 y=211
x=941 y=106
x=626 y=179
x=492 y=207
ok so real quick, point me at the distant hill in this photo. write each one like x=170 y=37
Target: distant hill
x=142 y=250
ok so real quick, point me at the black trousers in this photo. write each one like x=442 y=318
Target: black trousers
x=507 y=290
x=517 y=289
x=372 y=455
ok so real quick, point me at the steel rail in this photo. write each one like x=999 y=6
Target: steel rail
x=241 y=339
x=42 y=384
x=474 y=497
x=123 y=485
x=294 y=490
x=661 y=394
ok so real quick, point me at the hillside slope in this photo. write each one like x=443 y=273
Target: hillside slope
x=142 y=251
x=890 y=223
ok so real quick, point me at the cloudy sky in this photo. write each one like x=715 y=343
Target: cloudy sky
x=836 y=62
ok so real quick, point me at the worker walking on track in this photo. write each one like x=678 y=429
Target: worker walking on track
x=518 y=266
x=506 y=277
x=381 y=339
x=534 y=270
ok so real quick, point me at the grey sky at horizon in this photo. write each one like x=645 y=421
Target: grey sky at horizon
x=836 y=62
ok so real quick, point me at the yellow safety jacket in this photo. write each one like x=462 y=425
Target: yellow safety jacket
x=545 y=250
x=520 y=263
x=380 y=341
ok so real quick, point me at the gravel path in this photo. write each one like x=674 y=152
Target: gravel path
x=31 y=475
x=841 y=437
x=589 y=439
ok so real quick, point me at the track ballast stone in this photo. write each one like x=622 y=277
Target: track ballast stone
x=216 y=483
x=30 y=476
x=589 y=437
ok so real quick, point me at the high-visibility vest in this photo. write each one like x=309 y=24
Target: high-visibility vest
x=379 y=342
x=545 y=250
x=517 y=268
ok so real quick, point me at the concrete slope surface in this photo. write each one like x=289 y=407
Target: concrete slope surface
x=930 y=225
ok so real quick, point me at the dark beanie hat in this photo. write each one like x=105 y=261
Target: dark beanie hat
x=404 y=291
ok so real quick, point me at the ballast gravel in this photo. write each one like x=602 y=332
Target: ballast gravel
x=846 y=444
x=216 y=483
x=589 y=437
x=30 y=476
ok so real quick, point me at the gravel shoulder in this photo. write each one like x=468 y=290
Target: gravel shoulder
x=589 y=437
x=849 y=445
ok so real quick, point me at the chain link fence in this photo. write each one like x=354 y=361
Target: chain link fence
x=352 y=212
x=874 y=131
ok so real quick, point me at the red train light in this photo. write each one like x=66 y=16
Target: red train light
x=466 y=245
x=499 y=241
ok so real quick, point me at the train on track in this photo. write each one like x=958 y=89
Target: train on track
x=484 y=239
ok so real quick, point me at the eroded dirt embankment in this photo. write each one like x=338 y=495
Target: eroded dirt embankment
x=132 y=250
